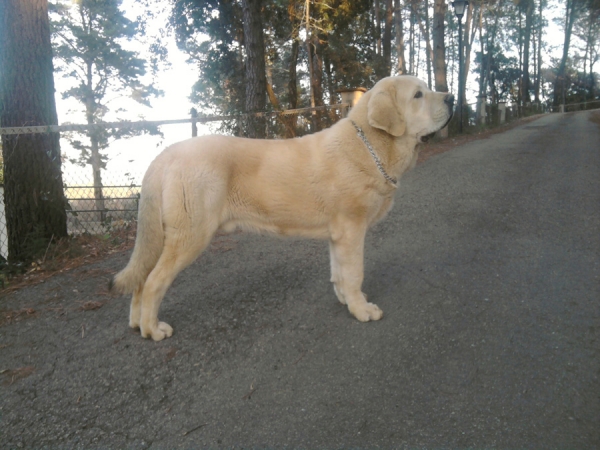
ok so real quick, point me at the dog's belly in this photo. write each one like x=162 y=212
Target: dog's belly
x=281 y=222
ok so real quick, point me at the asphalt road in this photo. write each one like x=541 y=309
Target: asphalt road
x=488 y=273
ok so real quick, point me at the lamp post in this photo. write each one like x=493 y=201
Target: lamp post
x=459 y=11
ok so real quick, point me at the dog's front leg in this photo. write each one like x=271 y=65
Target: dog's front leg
x=135 y=310
x=347 y=264
x=336 y=277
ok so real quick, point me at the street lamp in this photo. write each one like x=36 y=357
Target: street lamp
x=459 y=10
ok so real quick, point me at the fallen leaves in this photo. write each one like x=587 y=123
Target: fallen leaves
x=8 y=317
x=13 y=375
x=91 y=306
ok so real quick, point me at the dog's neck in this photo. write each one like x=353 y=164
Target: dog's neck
x=396 y=153
x=393 y=181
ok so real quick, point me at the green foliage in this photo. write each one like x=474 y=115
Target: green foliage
x=502 y=74
x=211 y=33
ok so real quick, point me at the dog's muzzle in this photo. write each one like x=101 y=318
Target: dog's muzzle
x=449 y=101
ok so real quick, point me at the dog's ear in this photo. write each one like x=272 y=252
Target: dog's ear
x=383 y=113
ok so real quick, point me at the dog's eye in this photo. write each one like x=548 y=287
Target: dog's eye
x=419 y=94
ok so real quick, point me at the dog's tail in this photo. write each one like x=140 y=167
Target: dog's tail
x=149 y=240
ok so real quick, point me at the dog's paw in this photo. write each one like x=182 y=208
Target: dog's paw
x=366 y=312
x=158 y=333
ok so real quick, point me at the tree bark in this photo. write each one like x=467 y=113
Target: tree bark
x=425 y=31
x=377 y=15
x=439 y=46
x=469 y=31
x=411 y=39
x=34 y=199
x=95 y=158
x=316 y=79
x=399 y=38
x=256 y=81
x=317 y=67
x=525 y=98
x=560 y=83
x=311 y=71
x=387 y=37
x=538 y=76
x=293 y=80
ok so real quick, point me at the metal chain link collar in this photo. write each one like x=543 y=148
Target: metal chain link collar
x=361 y=135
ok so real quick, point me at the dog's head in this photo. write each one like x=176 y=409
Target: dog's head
x=404 y=105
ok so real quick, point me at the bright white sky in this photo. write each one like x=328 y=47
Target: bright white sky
x=134 y=155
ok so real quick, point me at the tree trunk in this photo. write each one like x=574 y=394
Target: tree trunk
x=377 y=27
x=425 y=31
x=34 y=200
x=317 y=67
x=469 y=31
x=311 y=71
x=96 y=162
x=482 y=69
x=290 y=120
x=491 y=42
x=387 y=37
x=411 y=39
x=560 y=85
x=525 y=98
x=539 y=52
x=95 y=159
x=256 y=81
x=293 y=80
x=317 y=79
x=439 y=46
x=399 y=38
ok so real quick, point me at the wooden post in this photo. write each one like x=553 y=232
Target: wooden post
x=351 y=96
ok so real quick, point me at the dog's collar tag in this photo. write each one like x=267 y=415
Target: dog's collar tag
x=362 y=136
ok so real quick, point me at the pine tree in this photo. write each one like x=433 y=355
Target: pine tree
x=88 y=38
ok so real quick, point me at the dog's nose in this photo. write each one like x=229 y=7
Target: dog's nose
x=449 y=100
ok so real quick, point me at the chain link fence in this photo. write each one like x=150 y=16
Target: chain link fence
x=100 y=209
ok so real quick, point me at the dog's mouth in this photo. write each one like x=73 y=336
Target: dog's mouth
x=426 y=137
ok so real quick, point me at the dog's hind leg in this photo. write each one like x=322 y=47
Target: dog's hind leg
x=347 y=253
x=178 y=253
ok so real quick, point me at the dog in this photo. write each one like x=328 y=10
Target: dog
x=331 y=185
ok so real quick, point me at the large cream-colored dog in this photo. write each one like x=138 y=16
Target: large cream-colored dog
x=331 y=185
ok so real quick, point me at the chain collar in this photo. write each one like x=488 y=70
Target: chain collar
x=362 y=136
